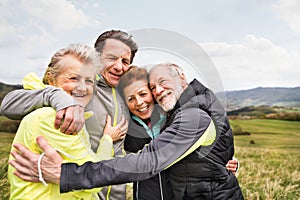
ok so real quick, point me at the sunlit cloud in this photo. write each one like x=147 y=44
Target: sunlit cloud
x=289 y=11
x=254 y=61
x=60 y=15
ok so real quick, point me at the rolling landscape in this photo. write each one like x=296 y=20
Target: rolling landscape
x=266 y=125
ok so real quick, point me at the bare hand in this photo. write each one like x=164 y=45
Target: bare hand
x=117 y=132
x=26 y=163
x=70 y=120
x=232 y=166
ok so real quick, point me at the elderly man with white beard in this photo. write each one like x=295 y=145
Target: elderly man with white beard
x=195 y=144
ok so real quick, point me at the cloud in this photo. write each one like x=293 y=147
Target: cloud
x=30 y=31
x=61 y=15
x=289 y=11
x=6 y=32
x=253 y=62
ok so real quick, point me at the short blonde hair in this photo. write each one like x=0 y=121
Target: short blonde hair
x=81 y=52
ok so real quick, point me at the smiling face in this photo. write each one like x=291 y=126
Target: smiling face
x=166 y=87
x=115 y=57
x=76 y=78
x=139 y=99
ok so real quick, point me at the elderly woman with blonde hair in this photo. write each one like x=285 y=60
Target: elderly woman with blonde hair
x=72 y=69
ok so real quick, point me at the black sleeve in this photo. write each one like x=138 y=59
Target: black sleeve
x=186 y=130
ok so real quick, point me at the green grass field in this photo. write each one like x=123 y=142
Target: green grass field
x=271 y=134
x=270 y=168
x=5 y=145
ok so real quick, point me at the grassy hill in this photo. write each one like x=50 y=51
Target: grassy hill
x=5 y=88
x=266 y=112
x=269 y=167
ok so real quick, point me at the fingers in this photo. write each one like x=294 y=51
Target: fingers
x=64 y=120
x=22 y=165
x=123 y=125
x=117 y=132
x=122 y=121
x=23 y=172
x=26 y=162
x=122 y=136
x=67 y=126
x=126 y=126
x=232 y=166
x=78 y=118
x=51 y=155
x=70 y=120
x=51 y=161
x=59 y=117
x=43 y=144
x=108 y=120
x=26 y=177
x=23 y=154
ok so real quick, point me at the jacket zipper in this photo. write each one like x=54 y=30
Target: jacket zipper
x=160 y=187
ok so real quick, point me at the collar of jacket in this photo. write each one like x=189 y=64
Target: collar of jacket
x=157 y=119
x=194 y=88
x=100 y=81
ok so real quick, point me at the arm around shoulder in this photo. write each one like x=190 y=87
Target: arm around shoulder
x=18 y=103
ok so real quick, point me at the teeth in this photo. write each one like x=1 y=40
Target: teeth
x=78 y=95
x=142 y=109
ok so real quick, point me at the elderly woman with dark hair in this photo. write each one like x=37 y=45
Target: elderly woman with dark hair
x=147 y=119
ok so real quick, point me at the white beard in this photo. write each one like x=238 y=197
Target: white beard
x=170 y=102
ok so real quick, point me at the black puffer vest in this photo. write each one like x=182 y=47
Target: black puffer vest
x=202 y=174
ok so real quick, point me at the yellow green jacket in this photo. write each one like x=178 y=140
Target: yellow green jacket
x=73 y=148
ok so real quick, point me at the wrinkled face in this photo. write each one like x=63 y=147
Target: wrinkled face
x=139 y=99
x=77 y=80
x=166 y=89
x=115 y=58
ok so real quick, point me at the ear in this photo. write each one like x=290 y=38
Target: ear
x=182 y=79
x=50 y=78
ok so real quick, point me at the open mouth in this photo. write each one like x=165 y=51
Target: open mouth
x=143 y=109
x=115 y=76
x=163 y=97
x=76 y=95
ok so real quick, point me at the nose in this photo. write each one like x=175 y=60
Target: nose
x=139 y=100
x=158 y=89
x=81 y=85
x=118 y=65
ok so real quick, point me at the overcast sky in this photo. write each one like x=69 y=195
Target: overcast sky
x=250 y=43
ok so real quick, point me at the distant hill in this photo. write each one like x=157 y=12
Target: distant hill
x=5 y=88
x=276 y=96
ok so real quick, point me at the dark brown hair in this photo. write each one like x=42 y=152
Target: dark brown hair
x=133 y=74
x=118 y=35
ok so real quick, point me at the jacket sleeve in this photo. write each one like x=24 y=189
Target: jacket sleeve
x=190 y=129
x=18 y=103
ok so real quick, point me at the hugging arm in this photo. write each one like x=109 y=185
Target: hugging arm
x=19 y=103
x=182 y=137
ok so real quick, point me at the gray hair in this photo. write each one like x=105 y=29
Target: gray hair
x=81 y=52
x=174 y=69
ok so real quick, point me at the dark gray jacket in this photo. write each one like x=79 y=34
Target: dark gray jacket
x=195 y=147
